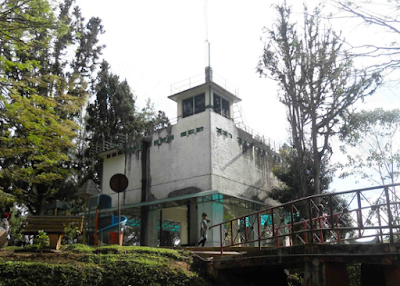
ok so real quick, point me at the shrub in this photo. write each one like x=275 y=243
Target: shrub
x=42 y=240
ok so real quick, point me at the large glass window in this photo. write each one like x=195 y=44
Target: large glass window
x=187 y=106
x=221 y=106
x=225 y=108
x=199 y=103
x=193 y=105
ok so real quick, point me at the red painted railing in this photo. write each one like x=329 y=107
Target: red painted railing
x=327 y=218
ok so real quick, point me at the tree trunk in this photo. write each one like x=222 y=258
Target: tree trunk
x=299 y=146
x=316 y=157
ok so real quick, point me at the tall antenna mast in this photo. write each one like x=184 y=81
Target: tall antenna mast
x=208 y=60
x=209 y=73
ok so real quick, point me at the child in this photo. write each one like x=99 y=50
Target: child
x=203 y=230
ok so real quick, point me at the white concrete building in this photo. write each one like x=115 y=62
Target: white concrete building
x=203 y=163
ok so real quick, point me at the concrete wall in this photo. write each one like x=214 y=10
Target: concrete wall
x=211 y=159
x=132 y=170
x=238 y=169
x=183 y=165
x=112 y=166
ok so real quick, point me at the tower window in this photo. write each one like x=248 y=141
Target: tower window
x=193 y=105
x=221 y=106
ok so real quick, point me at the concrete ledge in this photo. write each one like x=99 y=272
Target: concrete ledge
x=298 y=256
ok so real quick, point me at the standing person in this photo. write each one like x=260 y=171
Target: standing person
x=5 y=225
x=203 y=230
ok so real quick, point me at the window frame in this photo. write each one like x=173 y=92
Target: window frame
x=194 y=108
x=219 y=108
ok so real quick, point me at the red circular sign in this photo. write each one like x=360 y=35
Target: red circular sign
x=119 y=183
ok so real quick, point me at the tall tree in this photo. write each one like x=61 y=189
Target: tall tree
x=288 y=175
x=372 y=145
x=113 y=111
x=43 y=89
x=113 y=119
x=318 y=85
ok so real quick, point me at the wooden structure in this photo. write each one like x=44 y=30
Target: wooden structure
x=53 y=225
x=3 y=238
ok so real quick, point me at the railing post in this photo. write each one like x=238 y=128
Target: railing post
x=359 y=217
x=319 y=225
x=292 y=236
x=305 y=233
x=222 y=242
x=337 y=228
x=389 y=215
x=245 y=229
x=311 y=239
x=273 y=224
x=331 y=210
x=259 y=230
x=231 y=230
x=380 y=223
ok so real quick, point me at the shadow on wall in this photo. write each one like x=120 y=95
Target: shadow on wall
x=184 y=191
x=260 y=192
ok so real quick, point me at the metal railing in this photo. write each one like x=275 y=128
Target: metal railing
x=200 y=79
x=221 y=81
x=274 y=145
x=187 y=83
x=327 y=218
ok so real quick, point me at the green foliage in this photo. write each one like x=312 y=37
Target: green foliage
x=6 y=199
x=126 y=266
x=113 y=273
x=42 y=91
x=354 y=273
x=77 y=248
x=16 y=223
x=113 y=111
x=113 y=119
x=70 y=233
x=288 y=190
x=115 y=249
x=42 y=240
x=288 y=175
x=296 y=278
x=26 y=273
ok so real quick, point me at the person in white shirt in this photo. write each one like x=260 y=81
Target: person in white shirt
x=203 y=230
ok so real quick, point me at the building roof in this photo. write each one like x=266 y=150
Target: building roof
x=214 y=86
x=88 y=188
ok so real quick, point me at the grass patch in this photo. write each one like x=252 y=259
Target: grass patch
x=90 y=265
